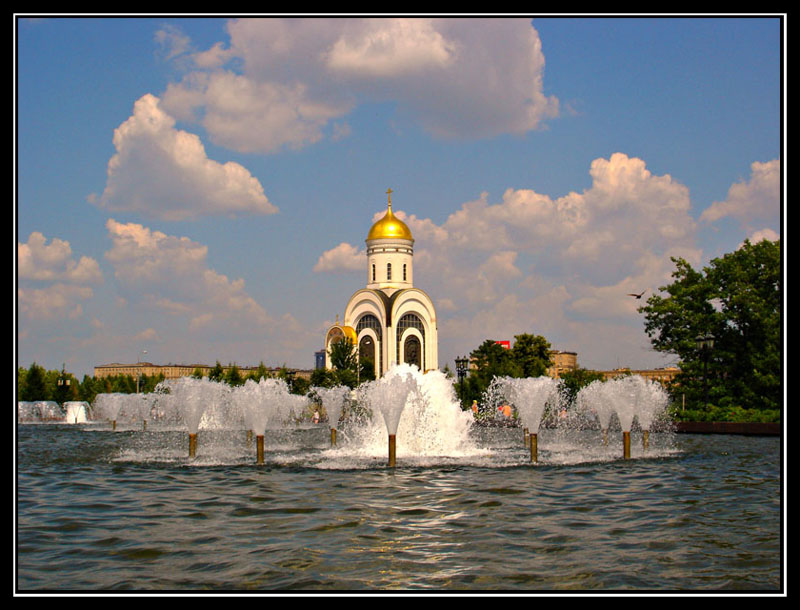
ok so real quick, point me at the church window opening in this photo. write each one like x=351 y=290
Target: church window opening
x=373 y=272
x=411 y=320
x=370 y=321
x=388 y=272
x=411 y=351
x=405 y=277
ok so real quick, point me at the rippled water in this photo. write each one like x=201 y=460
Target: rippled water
x=128 y=511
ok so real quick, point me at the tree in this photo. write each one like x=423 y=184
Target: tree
x=88 y=389
x=260 y=373
x=573 y=381
x=366 y=370
x=344 y=361
x=34 y=387
x=488 y=361
x=217 y=373
x=738 y=299
x=322 y=378
x=532 y=354
x=233 y=377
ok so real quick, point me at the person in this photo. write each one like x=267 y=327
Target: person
x=475 y=408
x=507 y=411
x=316 y=417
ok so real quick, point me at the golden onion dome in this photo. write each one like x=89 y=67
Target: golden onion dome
x=390 y=226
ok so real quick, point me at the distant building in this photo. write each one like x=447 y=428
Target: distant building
x=662 y=375
x=176 y=371
x=562 y=362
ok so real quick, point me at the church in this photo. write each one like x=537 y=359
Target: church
x=389 y=321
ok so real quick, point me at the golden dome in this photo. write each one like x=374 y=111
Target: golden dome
x=390 y=226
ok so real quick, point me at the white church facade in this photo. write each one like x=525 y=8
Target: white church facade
x=389 y=321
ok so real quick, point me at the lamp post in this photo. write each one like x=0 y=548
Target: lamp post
x=461 y=368
x=63 y=384
x=704 y=344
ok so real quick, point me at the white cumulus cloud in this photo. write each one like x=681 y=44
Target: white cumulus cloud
x=52 y=284
x=163 y=172
x=751 y=202
x=171 y=274
x=280 y=82
x=38 y=260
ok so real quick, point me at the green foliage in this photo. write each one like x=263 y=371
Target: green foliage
x=531 y=353
x=344 y=363
x=575 y=380
x=32 y=384
x=734 y=414
x=529 y=357
x=233 y=377
x=260 y=373
x=343 y=355
x=366 y=370
x=738 y=299
x=217 y=373
x=323 y=378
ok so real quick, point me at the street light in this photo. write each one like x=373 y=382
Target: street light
x=63 y=384
x=704 y=344
x=461 y=368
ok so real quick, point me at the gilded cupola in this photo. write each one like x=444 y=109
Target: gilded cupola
x=390 y=226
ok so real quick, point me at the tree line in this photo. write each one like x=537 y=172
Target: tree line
x=36 y=383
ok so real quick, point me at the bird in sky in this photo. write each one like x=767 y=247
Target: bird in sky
x=638 y=296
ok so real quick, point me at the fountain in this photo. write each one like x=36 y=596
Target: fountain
x=76 y=412
x=108 y=406
x=631 y=397
x=332 y=400
x=389 y=395
x=595 y=402
x=262 y=403
x=419 y=413
x=530 y=395
x=39 y=411
x=192 y=397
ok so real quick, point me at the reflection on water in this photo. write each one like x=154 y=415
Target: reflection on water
x=128 y=511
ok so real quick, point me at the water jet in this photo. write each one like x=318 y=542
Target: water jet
x=529 y=395
x=333 y=402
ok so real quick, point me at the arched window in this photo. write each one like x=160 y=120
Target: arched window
x=411 y=320
x=405 y=277
x=373 y=272
x=370 y=321
x=388 y=272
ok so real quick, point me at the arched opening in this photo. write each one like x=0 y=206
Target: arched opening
x=368 y=321
x=412 y=351
x=411 y=337
x=366 y=357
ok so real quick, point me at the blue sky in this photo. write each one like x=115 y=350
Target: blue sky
x=201 y=188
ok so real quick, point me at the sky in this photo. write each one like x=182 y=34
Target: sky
x=198 y=189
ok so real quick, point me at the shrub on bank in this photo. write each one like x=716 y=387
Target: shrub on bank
x=734 y=414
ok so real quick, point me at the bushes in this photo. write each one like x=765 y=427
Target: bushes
x=735 y=414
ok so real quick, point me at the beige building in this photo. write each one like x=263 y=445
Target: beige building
x=662 y=375
x=562 y=362
x=175 y=371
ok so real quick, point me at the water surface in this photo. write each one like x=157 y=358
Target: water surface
x=126 y=510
